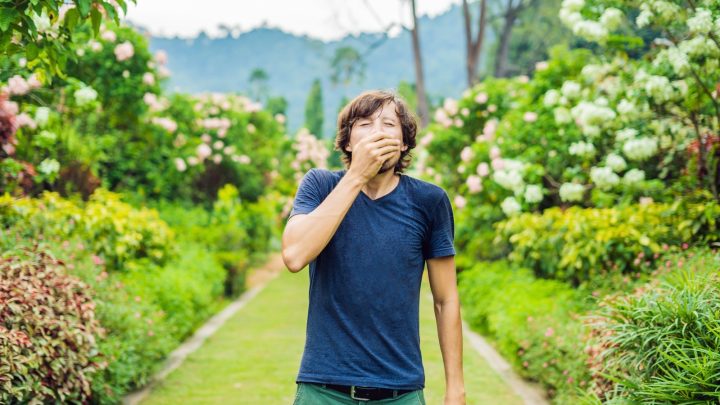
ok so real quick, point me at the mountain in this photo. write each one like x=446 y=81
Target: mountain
x=292 y=62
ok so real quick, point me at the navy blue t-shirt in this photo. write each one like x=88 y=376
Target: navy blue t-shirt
x=362 y=326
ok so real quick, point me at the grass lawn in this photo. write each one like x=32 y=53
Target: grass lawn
x=254 y=357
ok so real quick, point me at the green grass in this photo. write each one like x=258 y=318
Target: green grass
x=254 y=357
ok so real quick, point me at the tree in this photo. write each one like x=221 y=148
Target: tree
x=258 y=84
x=419 y=75
x=510 y=14
x=473 y=46
x=39 y=30
x=314 y=110
x=347 y=64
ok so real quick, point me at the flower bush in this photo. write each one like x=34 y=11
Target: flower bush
x=48 y=331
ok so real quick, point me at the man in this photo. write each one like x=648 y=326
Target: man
x=367 y=232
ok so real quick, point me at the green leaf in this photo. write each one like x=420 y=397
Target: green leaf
x=84 y=7
x=96 y=18
x=71 y=18
x=7 y=15
x=31 y=51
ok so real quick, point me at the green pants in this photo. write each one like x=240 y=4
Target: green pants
x=312 y=394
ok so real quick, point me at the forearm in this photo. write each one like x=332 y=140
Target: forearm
x=306 y=236
x=449 y=325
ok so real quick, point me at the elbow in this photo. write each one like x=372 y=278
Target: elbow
x=291 y=260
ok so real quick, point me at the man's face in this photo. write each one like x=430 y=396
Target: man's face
x=384 y=120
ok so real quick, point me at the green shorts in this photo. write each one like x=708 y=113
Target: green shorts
x=313 y=394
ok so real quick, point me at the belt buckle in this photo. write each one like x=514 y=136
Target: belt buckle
x=352 y=395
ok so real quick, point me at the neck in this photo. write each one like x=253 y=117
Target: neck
x=381 y=184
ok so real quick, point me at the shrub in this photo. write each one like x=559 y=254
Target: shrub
x=48 y=331
x=533 y=322
x=110 y=228
x=661 y=344
x=577 y=244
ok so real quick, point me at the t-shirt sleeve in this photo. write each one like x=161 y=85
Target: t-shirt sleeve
x=308 y=195
x=440 y=239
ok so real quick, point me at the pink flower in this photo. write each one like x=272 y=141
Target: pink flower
x=549 y=332
x=460 y=202
x=109 y=36
x=180 y=164
x=497 y=164
x=466 y=154
x=494 y=152
x=541 y=65
x=474 y=184
x=97 y=260
x=526 y=364
x=481 y=98
x=124 y=51
x=161 y=57
x=217 y=159
x=483 y=169
x=148 y=78
x=203 y=151
x=33 y=82
x=17 y=85
x=24 y=120
x=489 y=129
x=492 y=108
x=530 y=116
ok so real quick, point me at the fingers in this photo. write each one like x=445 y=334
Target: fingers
x=382 y=153
x=375 y=137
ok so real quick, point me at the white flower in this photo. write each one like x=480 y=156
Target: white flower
x=49 y=166
x=572 y=192
x=633 y=176
x=510 y=206
x=701 y=22
x=509 y=179
x=42 y=115
x=643 y=19
x=615 y=162
x=588 y=113
x=570 y=89
x=460 y=201
x=612 y=18
x=625 y=134
x=573 y=5
x=604 y=177
x=85 y=95
x=148 y=78
x=590 y=30
x=582 y=149
x=626 y=107
x=562 y=115
x=451 y=106
x=551 y=98
x=659 y=88
x=42 y=22
x=640 y=148
x=678 y=60
x=591 y=131
x=533 y=193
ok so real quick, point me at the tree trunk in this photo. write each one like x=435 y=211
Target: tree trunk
x=504 y=46
x=419 y=75
x=473 y=47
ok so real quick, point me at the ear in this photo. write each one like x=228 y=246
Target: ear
x=404 y=148
x=348 y=148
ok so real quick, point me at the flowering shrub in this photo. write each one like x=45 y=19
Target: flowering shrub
x=578 y=244
x=112 y=229
x=48 y=331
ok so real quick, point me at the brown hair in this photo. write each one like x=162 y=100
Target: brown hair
x=364 y=106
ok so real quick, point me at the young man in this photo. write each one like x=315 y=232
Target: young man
x=367 y=233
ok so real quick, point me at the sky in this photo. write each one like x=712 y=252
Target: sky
x=322 y=19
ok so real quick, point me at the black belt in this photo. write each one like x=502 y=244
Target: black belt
x=366 y=393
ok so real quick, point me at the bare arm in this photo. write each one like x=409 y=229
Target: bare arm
x=305 y=236
x=443 y=284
